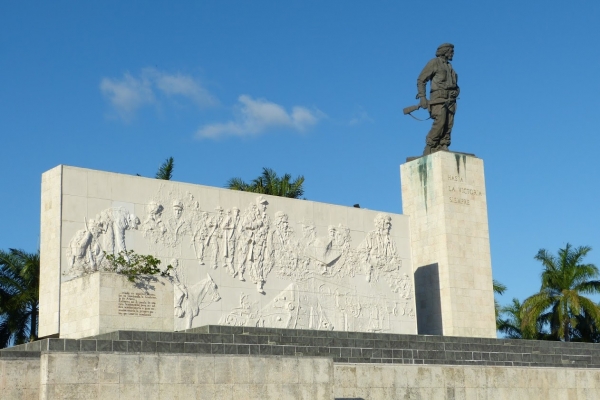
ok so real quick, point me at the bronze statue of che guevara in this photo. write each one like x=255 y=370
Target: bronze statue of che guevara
x=442 y=100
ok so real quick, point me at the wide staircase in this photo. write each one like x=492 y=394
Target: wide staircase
x=342 y=347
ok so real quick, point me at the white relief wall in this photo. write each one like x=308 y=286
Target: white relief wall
x=103 y=235
x=245 y=259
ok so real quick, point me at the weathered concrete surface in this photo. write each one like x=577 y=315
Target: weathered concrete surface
x=383 y=382
x=102 y=302
x=19 y=378
x=444 y=195
x=50 y=238
x=180 y=376
x=64 y=375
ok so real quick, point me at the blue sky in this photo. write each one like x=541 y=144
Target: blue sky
x=313 y=88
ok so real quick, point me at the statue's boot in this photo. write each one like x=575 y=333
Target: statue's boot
x=429 y=150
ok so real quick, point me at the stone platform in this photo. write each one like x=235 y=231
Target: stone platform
x=224 y=362
x=341 y=347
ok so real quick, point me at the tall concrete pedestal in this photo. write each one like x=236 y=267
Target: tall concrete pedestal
x=444 y=195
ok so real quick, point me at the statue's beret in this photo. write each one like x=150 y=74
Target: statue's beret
x=443 y=48
x=445 y=45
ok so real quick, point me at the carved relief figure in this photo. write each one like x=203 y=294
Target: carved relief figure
x=379 y=250
x=116 y=220
x=255 y=228
x=231 y=227
x=214 y=236
x=332 y=254
x=346 y=264
x=283 y=250
x=176 y=225
x=200 y=227
x=190 y=300
x=84 y=252
x=179 y=288
x=326 y=251
x=153 y=226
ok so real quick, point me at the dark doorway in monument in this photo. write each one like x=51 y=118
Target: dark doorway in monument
x=427 y=296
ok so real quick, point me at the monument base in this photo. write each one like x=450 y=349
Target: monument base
x=444 y=195
x=104 y=302
x=224 y=362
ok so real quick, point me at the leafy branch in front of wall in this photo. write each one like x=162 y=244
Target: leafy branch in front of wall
x=133 y=265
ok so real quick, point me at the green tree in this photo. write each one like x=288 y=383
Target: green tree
x=586 y=329
x=136 y=266
x=19 y=296
x=510 y=323
x=165 y=171
x=499 y=289
x=560 y=302
x=269 y=183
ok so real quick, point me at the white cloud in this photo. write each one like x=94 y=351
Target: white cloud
x=259 y=115
x=130 y=93
x=182 y=85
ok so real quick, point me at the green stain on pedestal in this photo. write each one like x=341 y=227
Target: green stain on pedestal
x=464 y=159
x=422 y=168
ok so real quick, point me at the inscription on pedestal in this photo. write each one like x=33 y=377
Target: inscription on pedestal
x=137 y=304
x=461 y=190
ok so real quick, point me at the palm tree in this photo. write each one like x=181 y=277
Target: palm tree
x=512 y=325
x=559 y=301
x=586 y=330
x=165 y=171
x=269 y=183
x=19 y=295
x=499 y=289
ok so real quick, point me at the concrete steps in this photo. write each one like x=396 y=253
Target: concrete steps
x=342 y=347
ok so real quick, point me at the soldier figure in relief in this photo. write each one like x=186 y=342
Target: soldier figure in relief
x=282 y=248
x=255 y=228
x=153 y=225
x=200 y=235
x=443 y=94
x=179 y=288
x=230 y=226
x=215 y=234
x=116 y=221
x=380 y=249
x=84 y=250
x=176 y=225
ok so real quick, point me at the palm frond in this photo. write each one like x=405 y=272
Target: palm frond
x=268 y=182
x=165 y=171
x=237 y=184
x=499 y=288
x=19 y=296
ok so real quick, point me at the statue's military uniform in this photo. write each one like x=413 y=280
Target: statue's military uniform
x=442 y=102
